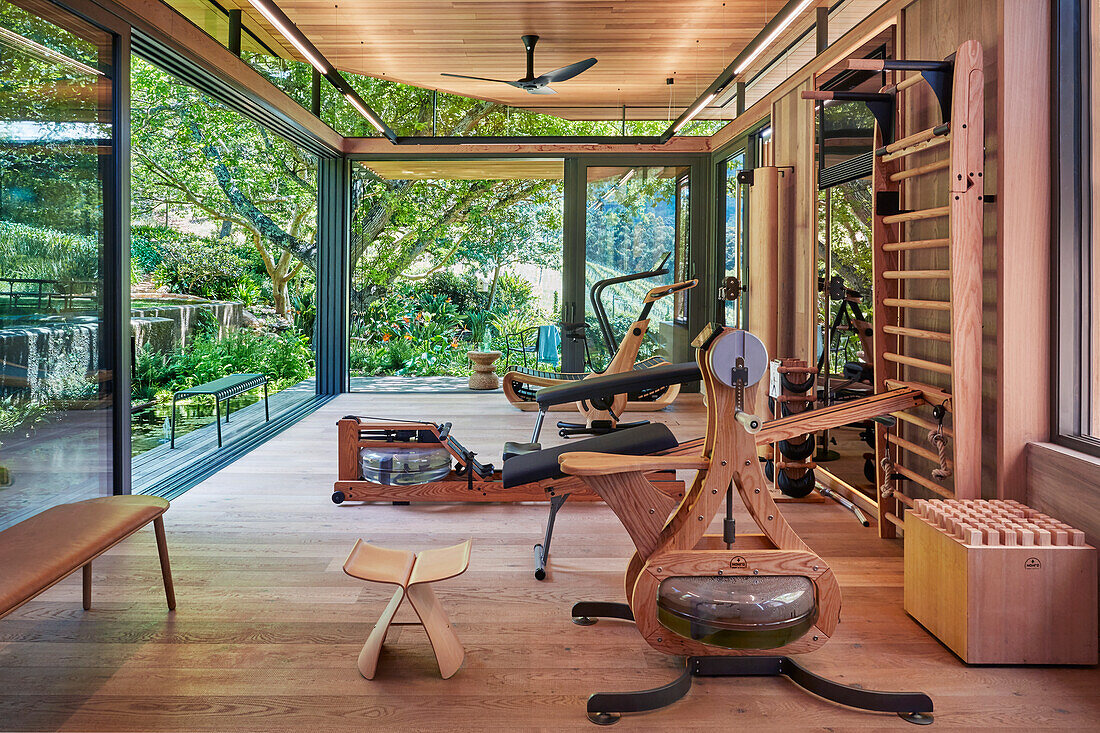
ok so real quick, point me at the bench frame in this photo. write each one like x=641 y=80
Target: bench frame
x=86 y=570
x=222 y=394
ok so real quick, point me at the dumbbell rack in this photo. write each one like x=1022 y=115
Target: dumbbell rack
x=792 y=460
x=928 y=287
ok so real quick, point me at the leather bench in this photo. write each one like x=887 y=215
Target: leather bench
x=538 y=465
x=43 y=550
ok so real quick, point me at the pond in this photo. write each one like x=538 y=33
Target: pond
x=149 y=426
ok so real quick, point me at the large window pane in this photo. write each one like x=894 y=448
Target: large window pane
x=449 y=257
x=631 y=222
x=224 y=255
x=55 y=152
x=735 y=234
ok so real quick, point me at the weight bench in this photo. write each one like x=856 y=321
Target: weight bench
x=600 y=392
x=526 y=463
x=45 y=549
x=222 y=389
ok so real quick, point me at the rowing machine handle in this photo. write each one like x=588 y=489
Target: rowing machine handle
x=751 y=423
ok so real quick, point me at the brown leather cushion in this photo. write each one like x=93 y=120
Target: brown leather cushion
x=38 y=552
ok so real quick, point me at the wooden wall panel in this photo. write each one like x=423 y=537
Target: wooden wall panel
x=1023 y=332
x=793 y=145
x=1063 y=483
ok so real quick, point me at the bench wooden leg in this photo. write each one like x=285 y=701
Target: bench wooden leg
x=165 y=567
x=87 y=586
x=448 y=649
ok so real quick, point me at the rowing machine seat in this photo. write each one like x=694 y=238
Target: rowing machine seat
x=513 y=449
x=530 y=467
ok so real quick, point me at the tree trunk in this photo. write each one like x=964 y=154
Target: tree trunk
x=280 y=293
x=493 y=286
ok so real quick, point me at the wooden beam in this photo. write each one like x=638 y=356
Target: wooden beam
x=1023 y=241
x=367 y=146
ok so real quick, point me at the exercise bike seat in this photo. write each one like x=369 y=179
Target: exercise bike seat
x=513 y=449
x=531 y=467
x=637 y=380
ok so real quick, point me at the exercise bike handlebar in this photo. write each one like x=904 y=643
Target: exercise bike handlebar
x=596 y=293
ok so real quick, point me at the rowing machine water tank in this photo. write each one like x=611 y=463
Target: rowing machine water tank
x=404 y=463
x=738 y=611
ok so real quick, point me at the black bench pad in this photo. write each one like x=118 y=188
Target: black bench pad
x=614 y=384
x=543 y=464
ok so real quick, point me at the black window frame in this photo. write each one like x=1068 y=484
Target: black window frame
x=1072 y=224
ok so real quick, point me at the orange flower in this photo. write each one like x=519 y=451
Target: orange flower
x=454 y=344
x=385 y=337
x=408 y=337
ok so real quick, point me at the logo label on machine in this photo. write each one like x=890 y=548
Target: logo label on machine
x=1032 y=563
x=739 y=563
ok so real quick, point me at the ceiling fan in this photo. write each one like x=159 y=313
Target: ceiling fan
x=537 y=84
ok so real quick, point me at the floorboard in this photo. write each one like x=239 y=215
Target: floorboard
x=268 y=627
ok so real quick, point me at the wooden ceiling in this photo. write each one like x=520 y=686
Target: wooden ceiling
x=639 y=44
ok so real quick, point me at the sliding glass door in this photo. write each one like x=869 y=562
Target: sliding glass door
x=57 y=162
x=638 y=234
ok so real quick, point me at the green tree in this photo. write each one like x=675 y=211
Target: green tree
x=188 y=148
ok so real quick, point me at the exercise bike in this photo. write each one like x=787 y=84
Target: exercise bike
x=522 y=384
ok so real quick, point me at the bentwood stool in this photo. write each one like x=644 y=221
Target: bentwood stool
x=412 y=574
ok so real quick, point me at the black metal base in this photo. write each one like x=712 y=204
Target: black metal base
x=605 y=708
x=585 y=613
x=542 y=550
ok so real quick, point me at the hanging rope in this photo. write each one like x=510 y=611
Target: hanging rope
x=887 y=463
x=938 y=439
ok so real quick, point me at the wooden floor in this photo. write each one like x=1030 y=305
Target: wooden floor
x=268 y=627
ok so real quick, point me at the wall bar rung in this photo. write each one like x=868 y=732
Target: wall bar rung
x=913 y=361
x=915 y=449
x=933 y=143
x=931 y=305
x=920 y=170
x=919 y=214
x=916 y=137
x=893 y=518
x=917 y=274
x=907 y=82
x=920 y=422
x=932 y=395
x=918 y=333
x=916 y=244
x=926 y=483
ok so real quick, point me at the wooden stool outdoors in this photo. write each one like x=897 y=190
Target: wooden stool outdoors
x=411 y=573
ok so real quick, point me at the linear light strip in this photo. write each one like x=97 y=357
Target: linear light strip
x=290 y=32
x=44 y=53
x=282 y=23
x=782 y=20
x=771 y=37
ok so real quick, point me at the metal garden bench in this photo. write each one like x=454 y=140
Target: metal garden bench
x=222 y=389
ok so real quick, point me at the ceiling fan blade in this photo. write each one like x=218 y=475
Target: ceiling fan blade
x=538 y=90
x=478 y=78
x=567 y=72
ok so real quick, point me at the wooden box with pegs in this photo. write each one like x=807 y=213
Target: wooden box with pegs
x=1001 y=583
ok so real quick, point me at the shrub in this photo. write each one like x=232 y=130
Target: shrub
x=285 y=358
x=194 y=265
x=36 y=253
x=514 y=294
x=143 y=250
x=461 y=290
